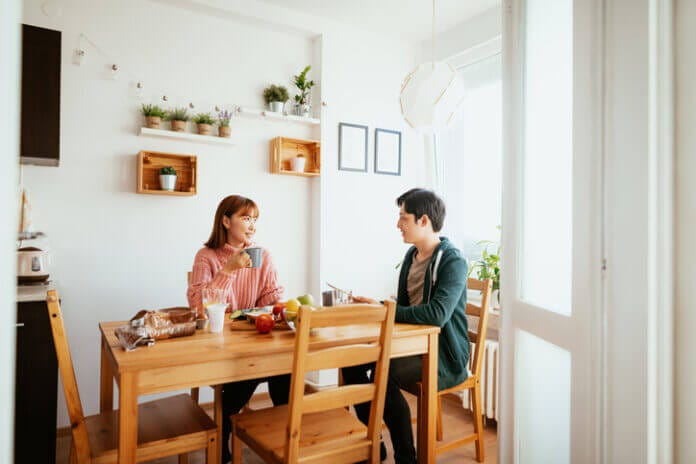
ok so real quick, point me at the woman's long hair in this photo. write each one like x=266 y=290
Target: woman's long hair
x=229 y=206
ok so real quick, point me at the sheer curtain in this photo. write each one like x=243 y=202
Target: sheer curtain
x=468 y=160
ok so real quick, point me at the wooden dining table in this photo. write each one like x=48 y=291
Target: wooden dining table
x=209 y=359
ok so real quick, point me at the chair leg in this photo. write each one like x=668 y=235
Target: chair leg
x=478 y=425
x=194 y=394
x=73 y=453
x=211 y=451
x=439 y=418
x=183 y=458
x=236 y=445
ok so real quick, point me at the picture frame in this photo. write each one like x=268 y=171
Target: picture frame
x=352 y=147
x=387 y=152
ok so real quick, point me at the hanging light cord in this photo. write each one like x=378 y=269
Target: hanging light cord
x=432 y=39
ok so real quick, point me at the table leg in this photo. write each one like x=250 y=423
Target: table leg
x=128 y=418
x=426 y=435
x=106 y=374
x=217 y=405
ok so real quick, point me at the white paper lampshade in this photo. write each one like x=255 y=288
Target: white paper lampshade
x=430 y=96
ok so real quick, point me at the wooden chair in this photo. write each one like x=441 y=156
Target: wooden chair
x=318 y=427
x=473 y=382
x=166 y=427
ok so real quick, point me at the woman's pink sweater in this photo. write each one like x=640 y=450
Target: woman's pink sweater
x=245 y=288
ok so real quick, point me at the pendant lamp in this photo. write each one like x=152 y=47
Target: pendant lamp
x=431 y=93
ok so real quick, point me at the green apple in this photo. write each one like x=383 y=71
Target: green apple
x=306 y=299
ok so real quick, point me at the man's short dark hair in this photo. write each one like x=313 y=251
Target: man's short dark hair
x=420 y=201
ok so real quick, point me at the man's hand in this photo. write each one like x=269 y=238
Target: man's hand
x=363 y=299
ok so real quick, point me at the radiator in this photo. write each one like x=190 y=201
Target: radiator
x=490 y=381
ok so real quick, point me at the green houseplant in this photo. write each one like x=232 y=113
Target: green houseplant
x=303 y=99
x=167 y=177
x=205 y=122
x=178 y=118
x=153 y=115
x=488 y=267
x=275 y=97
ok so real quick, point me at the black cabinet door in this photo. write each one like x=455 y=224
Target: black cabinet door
x=36 y=387
x=41 y=56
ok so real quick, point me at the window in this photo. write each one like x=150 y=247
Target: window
x=468 y=159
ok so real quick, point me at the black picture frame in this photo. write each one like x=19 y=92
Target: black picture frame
x=352 y=147
x=388 y=154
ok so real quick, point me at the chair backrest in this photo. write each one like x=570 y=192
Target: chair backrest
x=336 y=357
x=189 y=275
x=67 y=374
x=484 y=286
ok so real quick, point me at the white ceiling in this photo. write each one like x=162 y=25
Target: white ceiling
x=411 y=19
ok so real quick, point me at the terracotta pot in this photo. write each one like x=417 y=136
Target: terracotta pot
x=179 y=126
x=153 y=122
x=205 y=129
x=224 y=131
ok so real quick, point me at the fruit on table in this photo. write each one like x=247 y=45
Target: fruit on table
x=306 y=299
x=264 y=323
x=278 y=308
x=289 y=316
x=292 y=305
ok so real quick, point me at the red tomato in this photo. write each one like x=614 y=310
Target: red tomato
x=264 y=323
x=278 y=308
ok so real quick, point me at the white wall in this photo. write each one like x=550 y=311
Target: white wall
x=10 y=14
x=117 y=252
x=360 y=242
x=685 y=316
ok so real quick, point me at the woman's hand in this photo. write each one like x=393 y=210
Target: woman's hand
x=363 y=299
x=237 y=261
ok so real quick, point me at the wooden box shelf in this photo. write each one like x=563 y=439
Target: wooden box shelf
x=284 y=149
x=149 y=164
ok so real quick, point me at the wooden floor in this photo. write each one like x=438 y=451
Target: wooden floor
x=455 y=418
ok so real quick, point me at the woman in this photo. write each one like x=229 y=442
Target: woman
x=223 y=264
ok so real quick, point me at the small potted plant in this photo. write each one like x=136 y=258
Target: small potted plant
x=298 y=163
x=153 y=115
x=303 y=99
x=224 y=129
x=205 y=122
x=178 y=118
x=488 y=267
x=275 y=97
x=167 y=177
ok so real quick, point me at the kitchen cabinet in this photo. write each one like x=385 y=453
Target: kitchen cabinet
x=36 y=384
x=40 y=120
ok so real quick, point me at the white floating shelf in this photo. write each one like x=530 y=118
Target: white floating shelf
x=284 y=116
x=185 y=136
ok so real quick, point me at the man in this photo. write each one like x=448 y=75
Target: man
x=432 y=291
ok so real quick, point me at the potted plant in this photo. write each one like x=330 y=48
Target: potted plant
x=178 y=117
x=275 y=97
x=488 y=267
x=224 y=129
x=303 y=105
x=205 y=122
x=167 y=177
x=153 y=115
x=298 y=163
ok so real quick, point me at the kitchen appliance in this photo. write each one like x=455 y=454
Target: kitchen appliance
x=33 y=259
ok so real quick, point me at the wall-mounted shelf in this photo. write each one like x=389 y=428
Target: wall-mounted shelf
x=284 y=149
x=284 y=116
x=185 y=136
x=149 y=164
